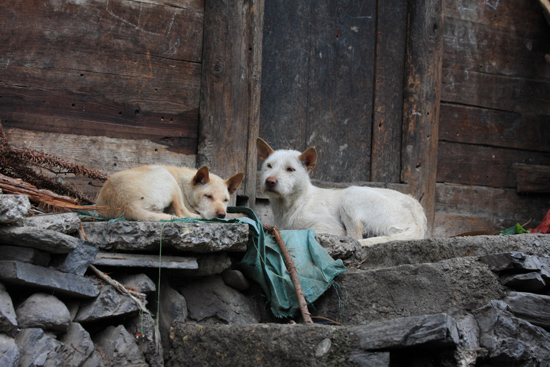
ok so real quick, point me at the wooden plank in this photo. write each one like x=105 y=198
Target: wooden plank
x=227 y=106
x=285 y=80
x=388 y=95
x=480 y=48
x=472 y=125
x=340 y=95
x=421 y=101
x=533 y=179
x=486 y=90
x=481 y=165
x=463 y=208
x=519 y=18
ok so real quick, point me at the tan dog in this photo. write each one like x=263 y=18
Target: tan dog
x=381 y=214
x=153 y=193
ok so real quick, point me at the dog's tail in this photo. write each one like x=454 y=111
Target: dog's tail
x=415 y=231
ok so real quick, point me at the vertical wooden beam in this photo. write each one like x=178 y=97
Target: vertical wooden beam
x=387 y=124
x=422 y=97
x=230 y=89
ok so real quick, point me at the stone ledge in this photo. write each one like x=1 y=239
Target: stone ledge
x=201 y=237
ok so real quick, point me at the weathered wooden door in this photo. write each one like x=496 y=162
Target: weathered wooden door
x=360 y=81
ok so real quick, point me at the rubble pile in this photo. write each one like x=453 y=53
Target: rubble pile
x=122 y=293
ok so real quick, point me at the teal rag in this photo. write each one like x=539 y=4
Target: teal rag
x=264 y=263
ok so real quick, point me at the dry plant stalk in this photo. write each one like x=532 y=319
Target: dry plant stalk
x=289 y=263
x=23 y=164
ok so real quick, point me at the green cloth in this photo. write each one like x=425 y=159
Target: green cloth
x=264 y=263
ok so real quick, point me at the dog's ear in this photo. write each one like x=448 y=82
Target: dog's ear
x=202 y=176
x=309 y=158
x=233 y=182
x=264 y=150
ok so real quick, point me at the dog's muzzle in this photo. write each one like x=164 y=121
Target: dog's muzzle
x=270 y=183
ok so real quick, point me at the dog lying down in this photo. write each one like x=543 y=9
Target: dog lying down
x=153 y=193
x=357 y=212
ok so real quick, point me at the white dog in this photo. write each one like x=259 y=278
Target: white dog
x=357 y=212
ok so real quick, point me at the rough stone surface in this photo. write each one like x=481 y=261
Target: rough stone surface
x=249 y=345
x=108 y=303
x=124 y=260
x=209 y=299
x=43 y=311
x=534 y=308
x=24 y=254
x=139 y=282
x=173 y=307
x=437 y=249
x=448 y=286
x=147 y=338
x=528 y=282
x=8 y=318
x=46 y=279
x=339 y=247
x=41 y=239
x=183 y=236
x=9 y=352
x=77 y=261
x=435 y=330
x=512 y=261
x=68 y=223
x=235 y=279
x=78 y=339
x=509 y=340
x=118 y=348
x=39 y=349
x=368 y=359
x=13 y=208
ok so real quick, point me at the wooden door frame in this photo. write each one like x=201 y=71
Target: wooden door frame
x=230 y=98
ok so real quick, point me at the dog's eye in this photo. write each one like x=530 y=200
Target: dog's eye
x=290 y=169
x=226 y=200
x=208 y=196
x=269 y=166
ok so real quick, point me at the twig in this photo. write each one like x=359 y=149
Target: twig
x=289 y=263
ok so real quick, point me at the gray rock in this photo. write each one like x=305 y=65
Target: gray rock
x=13 y=208
x=123 y=260
x=46 y=279
x=235 y=279
x=534 y=308
x=273 y=345
x=77 y=261
x=118 y=348
x=147 y=338
x=436 y=249
x=435 y=330
x=94 y=360
x=9 y=352
x=8 y=319
x=68 y=223
x=510 y=340
x=184 y=236
x=24 y=254
x=512 y=261
x=108 y=303
x=528 y=282
x=449 y=286
x=40 y=349
x=210 y=300
x=369 y=359
x=78 y=339
x=339 y=247
x=41 y=239
x=43 y=311
x=172 y=307
x=139 y=282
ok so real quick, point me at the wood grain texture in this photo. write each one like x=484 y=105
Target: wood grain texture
x=483 y=166
x=230 y=67
x=533 y=179
x=421 y=101
x=478 y=126
x=387 y=126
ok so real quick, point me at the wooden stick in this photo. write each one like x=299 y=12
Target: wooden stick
x=289 y=263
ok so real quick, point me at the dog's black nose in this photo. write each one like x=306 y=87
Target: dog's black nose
x=271 y=182
x=220 y=214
